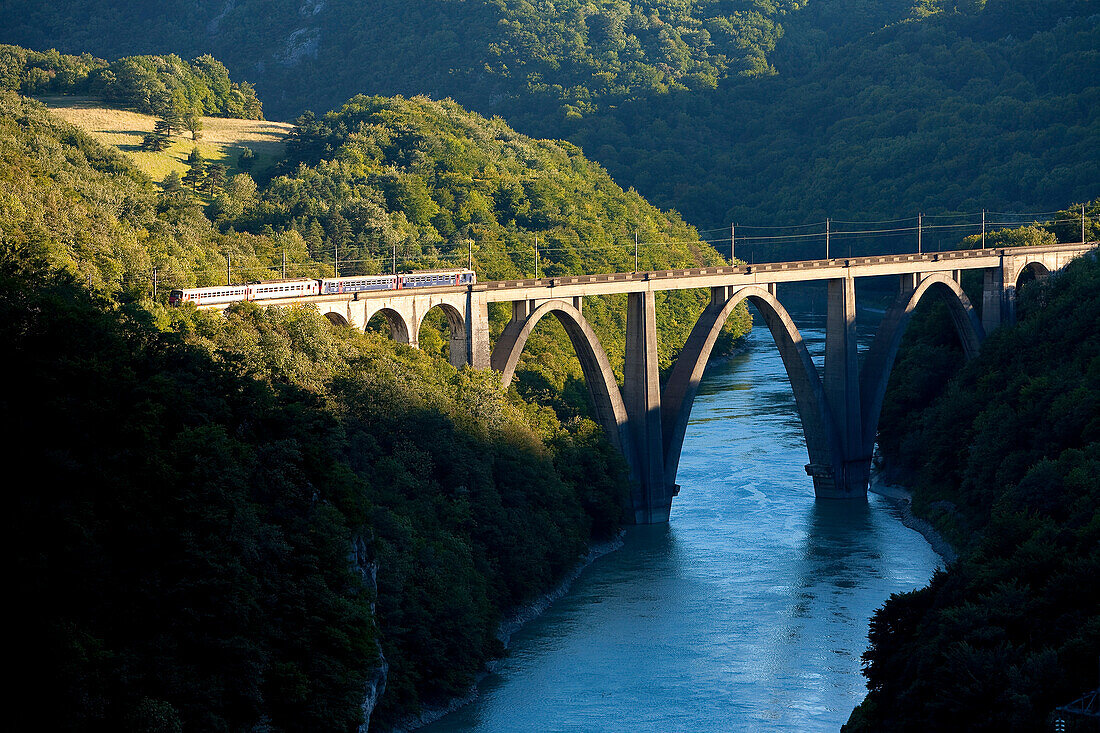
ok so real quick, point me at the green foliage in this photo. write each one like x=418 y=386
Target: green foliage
x=214 y=469
x=564 y=59
x=1005 y=459
x=162 y=85
x=755 y=112
x=985 y=107
x=98 y=218
x=182 y=560
x=479 y=504
x=438 y=182
x=158 y=139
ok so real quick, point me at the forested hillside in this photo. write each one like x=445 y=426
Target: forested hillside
x=1003 y=457
x=215 y=495
x=994 y=106
x=444 y=186
x=755 y=111
x=563 y=58
x=158 y=85
x=189 y=540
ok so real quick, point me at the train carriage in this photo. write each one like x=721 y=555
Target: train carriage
x=357 y=284
x=437 y=278
x=296 y=288
x=209 y=296
x=302 y=287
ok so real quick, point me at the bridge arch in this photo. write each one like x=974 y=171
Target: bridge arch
x=336 y=319
x=682 y=386
x=456 y=328
x=399 y=327
x=603 y=388
x=875 y=375
x=1034 y=270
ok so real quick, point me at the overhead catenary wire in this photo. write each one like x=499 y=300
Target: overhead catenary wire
x=771 y=236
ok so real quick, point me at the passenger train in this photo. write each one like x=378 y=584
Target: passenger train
x=300 y=287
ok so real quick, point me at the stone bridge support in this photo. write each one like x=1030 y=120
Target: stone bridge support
x=652 y=500
x=1001 y=283
x=849 y=468
x=467 y=319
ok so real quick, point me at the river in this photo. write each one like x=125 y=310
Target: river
x=748 y=611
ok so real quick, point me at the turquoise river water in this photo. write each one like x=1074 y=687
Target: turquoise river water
x=747 y=612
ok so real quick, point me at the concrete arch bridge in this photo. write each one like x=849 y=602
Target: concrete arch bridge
x=646 y=420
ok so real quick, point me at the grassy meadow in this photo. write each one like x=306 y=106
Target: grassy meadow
x=220 y=139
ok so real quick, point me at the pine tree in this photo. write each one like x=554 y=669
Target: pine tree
x=246 y=159
x=172 y=191
x=196 y=171
x=172 y=114
x=215 y=177
x=158 y=139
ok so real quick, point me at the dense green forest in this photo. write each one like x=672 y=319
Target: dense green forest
x=565 y=58
x=1002 y=454
x=157 y=85
x=761 y=112
x=427 y=178
x=993 y=106
x=184 y=558
x=199 y=577
x=214 y=472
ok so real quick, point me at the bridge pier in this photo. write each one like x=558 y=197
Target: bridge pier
x=478 y=348
x=848 y=475
x=651 y=496
x=994 y=297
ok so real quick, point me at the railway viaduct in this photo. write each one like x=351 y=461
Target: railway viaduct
x=646 y=420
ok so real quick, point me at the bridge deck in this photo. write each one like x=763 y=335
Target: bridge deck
x=569 y=286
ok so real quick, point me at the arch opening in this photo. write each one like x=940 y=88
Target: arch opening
x=603 y=389
x=336 y=319
x=442 y=332
x=678 y=395
x=875 y=374
x=1031 y=272
x=389 y=322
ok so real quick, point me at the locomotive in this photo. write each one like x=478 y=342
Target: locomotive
x=300 y=287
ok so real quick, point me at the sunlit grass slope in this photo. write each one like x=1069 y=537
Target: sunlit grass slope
x=221 y=139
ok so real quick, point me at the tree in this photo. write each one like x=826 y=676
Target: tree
x=246 y=159
x=215 y=177
x=196 y=171
x=158 y=139
x=172 y=118
x=172 y=191
x=193 y=121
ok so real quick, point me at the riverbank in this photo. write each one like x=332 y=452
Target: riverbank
x=903 y=499
x=510 y=626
